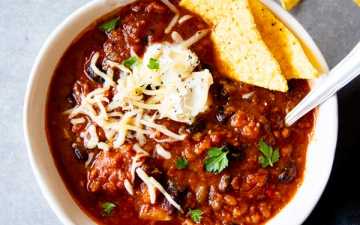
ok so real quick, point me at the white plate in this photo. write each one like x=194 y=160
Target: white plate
x=320 y=152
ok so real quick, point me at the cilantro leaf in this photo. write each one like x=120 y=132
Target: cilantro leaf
x=181 y=163
x=130 y=61
x=110 y=25
x=270 y=156
x=216 y=160
x=196 y=215
x=153 y=64
x=107 y=208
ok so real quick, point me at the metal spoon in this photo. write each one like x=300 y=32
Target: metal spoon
x=347 y=70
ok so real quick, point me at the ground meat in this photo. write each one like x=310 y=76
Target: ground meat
x=116 y=48
x=109 y=170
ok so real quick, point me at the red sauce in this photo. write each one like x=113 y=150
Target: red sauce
x=243 y=193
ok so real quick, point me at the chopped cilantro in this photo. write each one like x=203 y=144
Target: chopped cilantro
x=216 y=160
x=195 y=215
x=153 y=64
x=109 y=25
x=181 y=163
x=130 y=61
x=270 y=156
x=107 y=208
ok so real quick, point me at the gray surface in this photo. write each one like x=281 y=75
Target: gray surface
x=24 y=26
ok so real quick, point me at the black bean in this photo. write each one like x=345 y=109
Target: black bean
x=80 y=155
x=145 y=40
x=90 y=73
x=70 y=99
x=198 y=126
x=235 y=153
x=288 y=173
x=203 y=66
x=176 y=192
x=172 y=188
x=220 y=115
x=219 y=93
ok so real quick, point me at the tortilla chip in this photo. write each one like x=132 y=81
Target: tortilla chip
x=289 y=4
x=357 y=2
x=285 y=47
x=241 y=53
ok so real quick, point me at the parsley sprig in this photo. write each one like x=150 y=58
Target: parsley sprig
x=110 y=25
x=216 y=160
x=107 y=208
x=181 y=163
x=130 y=61
x=196 y=215
x=269 y=155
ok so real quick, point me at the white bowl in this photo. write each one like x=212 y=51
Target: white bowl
x=320 y=153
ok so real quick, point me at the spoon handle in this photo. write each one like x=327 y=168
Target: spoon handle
x=347 y=70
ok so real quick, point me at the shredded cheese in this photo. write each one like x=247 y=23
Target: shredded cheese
x=152 y=185
x=162 y=152
x=140 y=151
x=195 y=38
x=107 y=77
x=77 y=121
x=247 y=95
x=176 y=37
x=176 y=92
x=103 y=146
x=90 y=137
x=171 y=6
x=175 y=19
x=163 y=130
x=184 y=18
x=128 y=187
x=172 y=24
x=90 y=159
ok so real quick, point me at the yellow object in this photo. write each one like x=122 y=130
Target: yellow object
x=283 y=44
x=357 y=2
x=241 y=53
x=289 y=4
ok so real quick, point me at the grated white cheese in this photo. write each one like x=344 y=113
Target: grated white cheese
x=176 y=37
x=139 y=151
x=162 y=152
x=146 y=179
x=172 y=24
x=137 y=160
x=90 y=137
x=164 y=130
x=77 y=121
x=171 y=6
x=103 y=146
x=195 y=38
x=128 y=187
x=176 y=92
x=185 y=18
x=175 y=19
x=107 y=77
x=248 y=95
x=90 y=159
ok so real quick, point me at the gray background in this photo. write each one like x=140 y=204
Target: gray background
x=24 y=26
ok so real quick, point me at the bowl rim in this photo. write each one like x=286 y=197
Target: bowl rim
x=285 y=17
